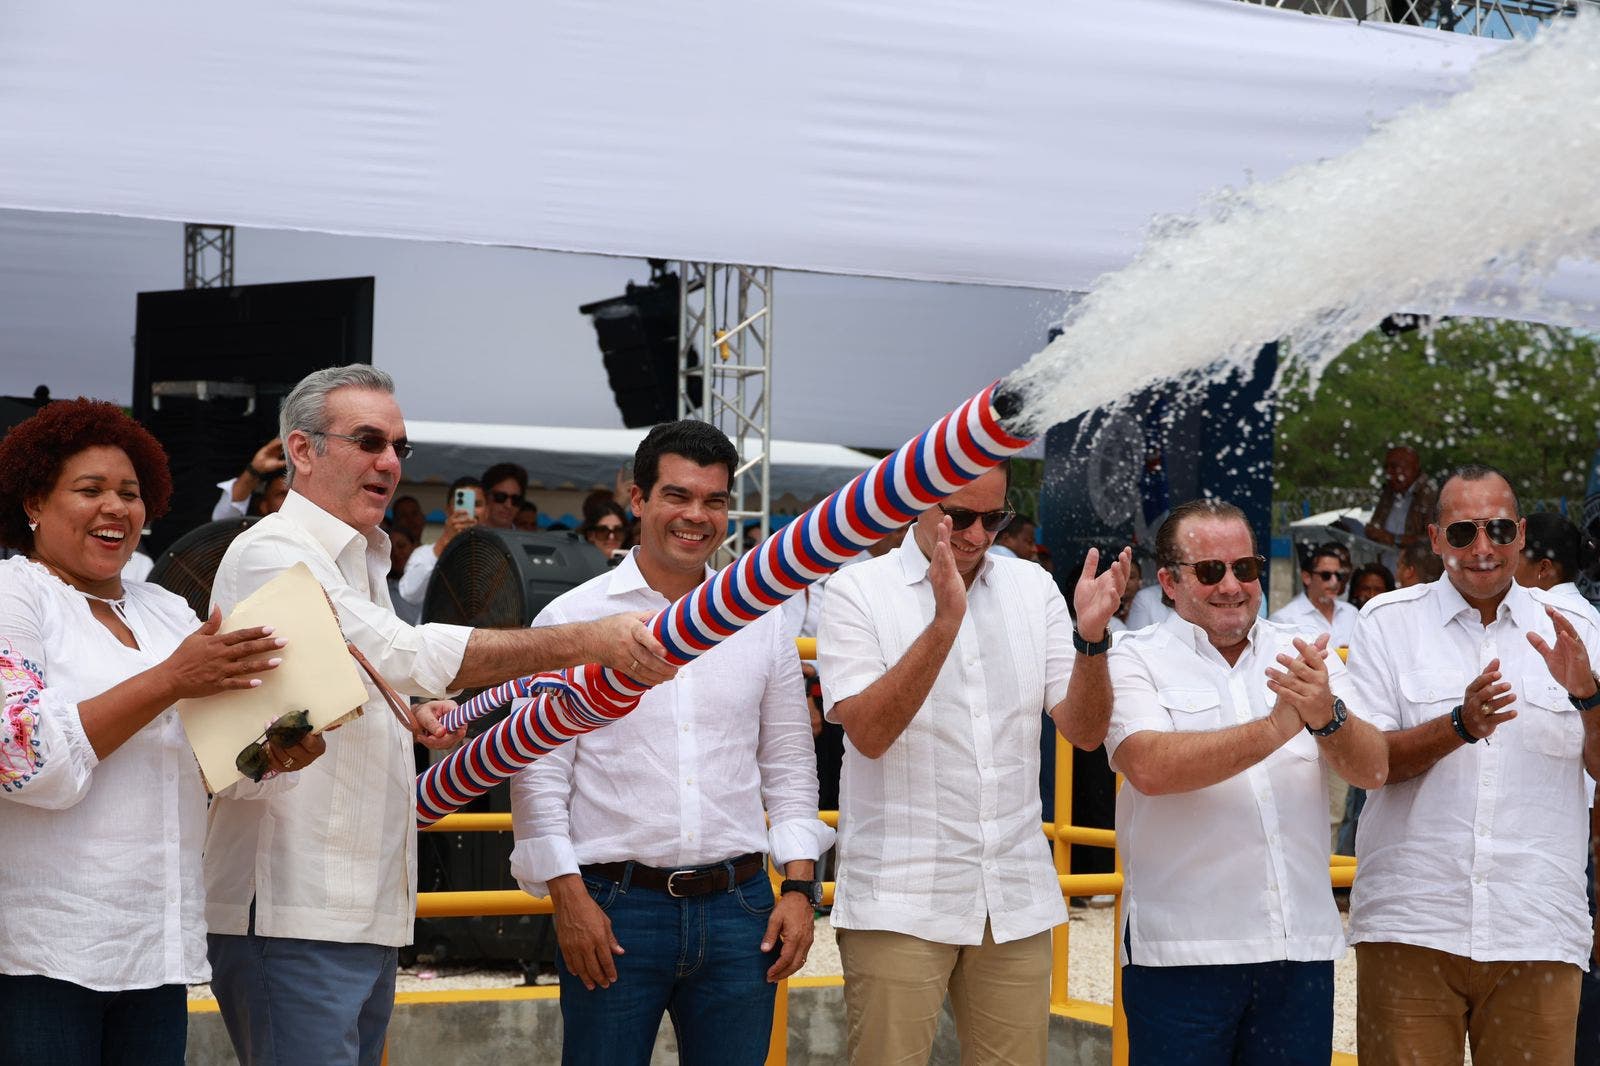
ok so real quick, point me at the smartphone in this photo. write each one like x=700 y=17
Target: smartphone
x=466 y=500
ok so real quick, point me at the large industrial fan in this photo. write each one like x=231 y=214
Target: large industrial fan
x=499 y=579
x=502 y=578
x=190 y=565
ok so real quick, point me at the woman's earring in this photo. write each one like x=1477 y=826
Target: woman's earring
x=33 y=527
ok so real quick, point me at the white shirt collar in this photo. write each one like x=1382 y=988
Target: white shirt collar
x=1517 y=603
x=1195 y=638
x=627 y=578
x=333 y=534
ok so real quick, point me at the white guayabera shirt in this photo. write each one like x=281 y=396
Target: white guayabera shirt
x=100 y=883
x=334 y=857
x=681 y=780
x=941 y=833
x=1236 y=872
x=1481 y=855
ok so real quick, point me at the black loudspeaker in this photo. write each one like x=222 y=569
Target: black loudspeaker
x=211 y=368
x=190 y=565
x=638 y=336
x=500 y=579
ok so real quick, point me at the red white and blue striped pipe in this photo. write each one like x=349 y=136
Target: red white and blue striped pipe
x=563 y=704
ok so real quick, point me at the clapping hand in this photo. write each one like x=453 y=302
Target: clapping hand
x=1096 y=598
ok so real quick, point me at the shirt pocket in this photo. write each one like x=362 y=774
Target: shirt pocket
x=1550 y=724
x=1191 y=709
x=1428 y=694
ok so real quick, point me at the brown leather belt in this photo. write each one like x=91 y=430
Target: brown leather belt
x=689 y=881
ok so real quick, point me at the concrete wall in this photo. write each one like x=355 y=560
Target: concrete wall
x=494 y=1032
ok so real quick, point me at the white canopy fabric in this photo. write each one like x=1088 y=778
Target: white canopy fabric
x=1027 y=143
x=1025 y=146
x=566 y=458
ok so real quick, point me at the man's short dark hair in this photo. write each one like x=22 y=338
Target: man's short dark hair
x=1167 y=555
x=500 y=471
x=1323 y=552
x=699 y=442
x=468 y=482
x=1477 y=472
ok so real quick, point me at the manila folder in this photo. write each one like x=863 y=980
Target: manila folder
x=317 y=675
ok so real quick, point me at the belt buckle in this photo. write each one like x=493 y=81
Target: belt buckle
x=673 y=877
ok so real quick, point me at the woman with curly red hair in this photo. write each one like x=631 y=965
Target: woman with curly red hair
x=101 y=908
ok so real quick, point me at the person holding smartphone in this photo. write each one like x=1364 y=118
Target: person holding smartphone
x=467 y=509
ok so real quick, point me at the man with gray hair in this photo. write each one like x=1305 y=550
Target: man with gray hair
x=311 y=877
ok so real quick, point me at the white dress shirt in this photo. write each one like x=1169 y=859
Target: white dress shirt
x=101 y=882
x=1236 y=872
x=226 y=506
x=1147 y=608
x=682 y=779
x=1300 y=613
x=1482 y=855
x=334 y=858
x=413 y=584
x=941 y=833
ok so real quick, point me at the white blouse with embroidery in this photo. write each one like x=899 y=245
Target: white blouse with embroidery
x=101 y=881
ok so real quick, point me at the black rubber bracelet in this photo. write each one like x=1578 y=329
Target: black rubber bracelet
x=1461 y=730
x=1083 y=647
x=257 y=474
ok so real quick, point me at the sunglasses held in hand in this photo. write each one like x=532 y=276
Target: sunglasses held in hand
x=289 y=730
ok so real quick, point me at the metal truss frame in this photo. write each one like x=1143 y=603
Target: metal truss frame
x=1480 y=18
x=725 y=315
x=207 y=256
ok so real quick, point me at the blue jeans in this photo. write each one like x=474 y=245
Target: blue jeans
x=57 y=1022
x=288 y=1002
x=699 y=959
x=1253 y=1014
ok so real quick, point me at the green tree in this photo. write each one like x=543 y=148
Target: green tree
x=1522 y=396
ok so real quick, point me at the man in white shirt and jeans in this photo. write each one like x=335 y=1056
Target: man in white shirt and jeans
x=650 y=835
x=1468 y=912
x=311 y=878
x=1224 y=725
x=937 y=659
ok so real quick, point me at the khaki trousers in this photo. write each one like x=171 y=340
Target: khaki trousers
x=1338 y=792
x=1415 y=1006
x=895 y=984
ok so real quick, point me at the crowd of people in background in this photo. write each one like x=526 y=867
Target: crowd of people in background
x=1448 y=754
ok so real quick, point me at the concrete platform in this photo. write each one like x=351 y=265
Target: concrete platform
x=490 y=1027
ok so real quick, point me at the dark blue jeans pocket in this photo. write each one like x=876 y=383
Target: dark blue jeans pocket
x=755 y=896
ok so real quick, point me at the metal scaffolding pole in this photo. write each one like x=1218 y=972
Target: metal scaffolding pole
x=207 y=256
x=725 y=314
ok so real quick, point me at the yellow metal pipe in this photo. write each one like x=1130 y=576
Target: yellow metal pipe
x=807 y=647
x=471 y=823
x=1061 y=855
x=474 y=904
x=1082 y=834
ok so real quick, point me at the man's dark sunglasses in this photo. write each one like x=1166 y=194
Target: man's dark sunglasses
x=286 y=732
x=504 y=497
x=372 y=443
x=1462 y=534
x=1327 y=575
x=993 y=521
x=1212 y=571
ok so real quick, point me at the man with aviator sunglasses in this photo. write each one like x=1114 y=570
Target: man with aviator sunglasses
x=937 y=659
x=311 y=876
x=1469 y=914
x=1225 y=725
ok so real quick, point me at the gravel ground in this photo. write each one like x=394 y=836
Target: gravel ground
x=1089 y=977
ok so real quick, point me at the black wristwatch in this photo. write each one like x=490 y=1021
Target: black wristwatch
x=1339 y=715
x=812 y=890
x=1099 y=647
